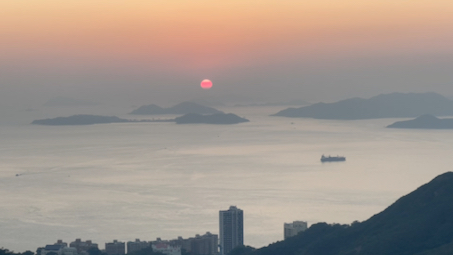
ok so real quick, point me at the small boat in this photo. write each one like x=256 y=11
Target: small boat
x=332 y=159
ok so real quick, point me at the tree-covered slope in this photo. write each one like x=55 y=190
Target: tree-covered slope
x=418 y=223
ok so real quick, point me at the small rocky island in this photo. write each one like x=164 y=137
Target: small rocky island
x=182 y=108
x=81 y=119
x=219 y=118
x=426 y=121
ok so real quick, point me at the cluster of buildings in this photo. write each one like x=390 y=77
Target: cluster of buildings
x=75 y=248
x=231 y=235
x=200 y=244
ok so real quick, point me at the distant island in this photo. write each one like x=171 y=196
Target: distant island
x=395 y=105
x=191 y=118
x=82 y=119
x=426 y=121
x=219 y=118
x=182 y=108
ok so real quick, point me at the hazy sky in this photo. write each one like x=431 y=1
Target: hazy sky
x=139 y=51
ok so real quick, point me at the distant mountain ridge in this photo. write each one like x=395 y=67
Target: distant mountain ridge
x=426 y=121
x=420 y=223
x=182 y=108
x=394 y=105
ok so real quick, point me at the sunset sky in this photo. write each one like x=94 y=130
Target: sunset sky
x=260 y=49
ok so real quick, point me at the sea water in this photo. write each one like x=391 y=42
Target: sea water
x=149 y=180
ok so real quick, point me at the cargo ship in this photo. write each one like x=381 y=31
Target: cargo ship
x=332 y=159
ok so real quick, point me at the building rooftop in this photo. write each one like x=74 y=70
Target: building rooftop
x=53 y=247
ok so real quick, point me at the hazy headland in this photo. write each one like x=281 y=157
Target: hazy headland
x=426 y=121
x=394 y=105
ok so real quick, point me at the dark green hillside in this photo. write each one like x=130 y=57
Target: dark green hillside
x=419 y=223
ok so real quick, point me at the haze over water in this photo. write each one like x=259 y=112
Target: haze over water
x=149 y=180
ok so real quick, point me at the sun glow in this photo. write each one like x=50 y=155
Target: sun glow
x=206 y=84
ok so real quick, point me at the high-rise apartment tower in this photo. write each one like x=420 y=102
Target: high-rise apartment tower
x=231 y=229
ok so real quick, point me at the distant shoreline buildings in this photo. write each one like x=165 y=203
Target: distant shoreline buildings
x=78 y=247
x=206 y=244
x=231 y=235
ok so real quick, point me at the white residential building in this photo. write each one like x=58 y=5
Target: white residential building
x=292 y=229
x=166 y=249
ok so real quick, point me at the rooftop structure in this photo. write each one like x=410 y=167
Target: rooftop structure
x=204 y=245
x=137 y=245
x=166 y=249
x=115 y=248
x=83 y=246
x=58 y=248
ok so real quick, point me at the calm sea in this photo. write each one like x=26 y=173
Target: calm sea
x=149 y=180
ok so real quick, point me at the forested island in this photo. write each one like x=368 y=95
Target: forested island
x=394 y=105
x=426 y=121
